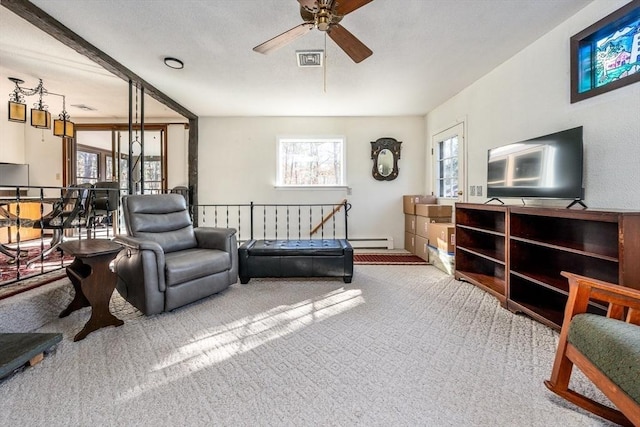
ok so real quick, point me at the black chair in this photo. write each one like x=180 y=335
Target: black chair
x=103 y=201
x=67 y=213
x=183 y=191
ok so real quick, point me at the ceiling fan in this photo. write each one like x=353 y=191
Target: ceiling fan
x=325 y=15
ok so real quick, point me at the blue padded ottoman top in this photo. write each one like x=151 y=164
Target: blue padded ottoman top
x=326 y=247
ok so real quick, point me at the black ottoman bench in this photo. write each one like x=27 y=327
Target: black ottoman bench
x=296 y=258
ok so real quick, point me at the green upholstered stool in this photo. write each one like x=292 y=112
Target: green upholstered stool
x=17 y=349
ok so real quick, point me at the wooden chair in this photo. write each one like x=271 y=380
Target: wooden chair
x=602 y=363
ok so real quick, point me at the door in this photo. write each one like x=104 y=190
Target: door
x=448 y=164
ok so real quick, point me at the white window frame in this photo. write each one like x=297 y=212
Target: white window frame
x=305 y=139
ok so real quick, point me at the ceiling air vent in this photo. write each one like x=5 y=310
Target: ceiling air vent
x=83 y=107
x=309 y=58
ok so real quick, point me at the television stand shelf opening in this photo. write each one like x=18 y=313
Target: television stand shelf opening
x=538 y=243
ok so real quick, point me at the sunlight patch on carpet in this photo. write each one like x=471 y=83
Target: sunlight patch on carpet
x=245 y=334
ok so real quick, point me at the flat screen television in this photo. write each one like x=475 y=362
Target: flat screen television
x=548 y=166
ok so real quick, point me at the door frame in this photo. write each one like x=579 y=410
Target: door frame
x=458 y=129
x=71 y=148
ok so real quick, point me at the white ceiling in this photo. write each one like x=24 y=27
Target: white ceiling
x=425 y=51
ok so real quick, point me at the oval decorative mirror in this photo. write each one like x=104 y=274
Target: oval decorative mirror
x=385 y=153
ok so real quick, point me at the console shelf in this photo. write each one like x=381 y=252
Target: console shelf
x=481 y=243
x=517 y=253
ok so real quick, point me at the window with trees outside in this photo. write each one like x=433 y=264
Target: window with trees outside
x=311 y=162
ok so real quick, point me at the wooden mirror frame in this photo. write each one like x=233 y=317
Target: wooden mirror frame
x=393 y=146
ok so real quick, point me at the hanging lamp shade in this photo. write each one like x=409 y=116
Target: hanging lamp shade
x=40 y=119
x=17 y=112
x=63 y=128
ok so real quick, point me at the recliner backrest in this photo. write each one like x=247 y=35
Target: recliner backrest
x=162 y=218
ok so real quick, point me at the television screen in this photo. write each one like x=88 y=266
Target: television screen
x=14 y=175
x=548 y=166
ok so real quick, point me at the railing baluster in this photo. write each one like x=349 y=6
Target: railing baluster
x=287 y=222
x=264 y=222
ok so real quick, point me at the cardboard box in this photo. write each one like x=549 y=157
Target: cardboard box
x=442 y=236
x=422 y=224
x=433 y=210
x=410 y=224
x=410 y=242
x=422 y=248
x=409 y=202
x=442 y=260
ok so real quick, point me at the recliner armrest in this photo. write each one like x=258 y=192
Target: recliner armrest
x=138 y=244
x=215 y=238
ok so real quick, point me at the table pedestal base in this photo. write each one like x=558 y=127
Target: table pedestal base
x=94 y=284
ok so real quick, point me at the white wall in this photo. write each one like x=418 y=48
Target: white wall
x=237 y=164
x=43 y=153
x=528 y=96
x=11 y=139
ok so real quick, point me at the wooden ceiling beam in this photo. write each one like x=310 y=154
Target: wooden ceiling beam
x=42 y=20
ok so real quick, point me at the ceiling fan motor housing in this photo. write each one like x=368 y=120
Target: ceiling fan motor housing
x=323 y=19
x=325 y=15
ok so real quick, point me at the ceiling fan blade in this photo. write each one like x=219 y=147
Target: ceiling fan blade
x=284 y=38
x=347 y=6
x=349 y=43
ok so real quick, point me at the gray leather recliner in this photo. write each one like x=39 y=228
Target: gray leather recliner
x=166 y=262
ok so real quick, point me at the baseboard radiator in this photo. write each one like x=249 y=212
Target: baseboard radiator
x=372 y=242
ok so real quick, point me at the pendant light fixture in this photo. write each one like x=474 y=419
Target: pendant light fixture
x=17 y=107
x=63 y=126
x=40 y=116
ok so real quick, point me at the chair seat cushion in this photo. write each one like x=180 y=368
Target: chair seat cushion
x=328 y=247
x=184 y=266
x=612 y=346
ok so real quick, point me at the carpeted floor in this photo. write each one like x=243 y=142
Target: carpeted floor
x=401 y=346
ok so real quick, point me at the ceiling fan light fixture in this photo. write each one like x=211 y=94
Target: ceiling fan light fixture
x=323 y=23
x=174 y=63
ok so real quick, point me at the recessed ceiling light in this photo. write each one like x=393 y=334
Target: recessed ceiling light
x=173 y=63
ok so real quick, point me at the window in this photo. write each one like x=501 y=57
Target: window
x=153 y=172
x=87 y=167
x=447 y=167
x=311 y=162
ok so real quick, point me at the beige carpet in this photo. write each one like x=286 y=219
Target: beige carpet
x=400 y=345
